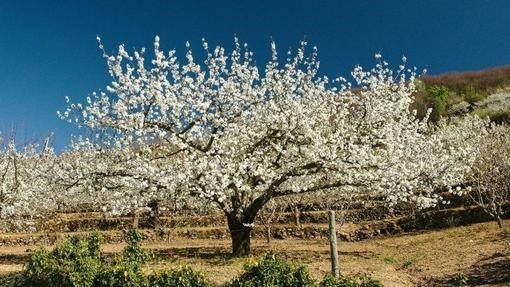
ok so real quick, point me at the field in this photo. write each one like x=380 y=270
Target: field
x=478 y=252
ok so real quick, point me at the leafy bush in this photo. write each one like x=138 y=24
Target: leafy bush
x=39 y=268
x=121 y=275
x=436 y=97
x=182 y=277
x=94 y=244
x=126 y=268
x=14 y=279
x=273 y=271
x=359 y=280
x=77 y=263
x=74 y=263
x=439 y=96
x=133 y=253
x=472 y=95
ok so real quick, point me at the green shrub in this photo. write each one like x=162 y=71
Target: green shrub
x=182 y=277
x=94 y=244
x=126 y=268
x=121 y=275
x=273 y=271
x=15 y=279
x=133 y=253
x=77 y=263
x=472 y=95
x=40 y=267
x=359 y=280
x=439 y=95
x=74 y=263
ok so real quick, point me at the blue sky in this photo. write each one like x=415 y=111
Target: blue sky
x=49 y=51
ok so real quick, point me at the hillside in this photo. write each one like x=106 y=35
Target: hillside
x=485 y=93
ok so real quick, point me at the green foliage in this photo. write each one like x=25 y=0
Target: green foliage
x=134 y=254
x=77 y=263
x=120 y=275
x=359 y=280
x=39 y=268
x=273 y=271
x=182 y=277
x=94 y=244
x=472 y=95
x=15 y=279
x=461 y=280
x=126 y=268
x=436 y=97
x=74 y=263
x=439 y=95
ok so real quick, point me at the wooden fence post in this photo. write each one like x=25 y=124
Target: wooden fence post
x=333 y=244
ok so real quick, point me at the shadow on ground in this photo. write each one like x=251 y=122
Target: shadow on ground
x=490 y=271
x=14 y=258
x=223 y=253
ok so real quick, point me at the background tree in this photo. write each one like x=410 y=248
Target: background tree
x=490 y=177
x=128 y=180
x=26 y=183
x=270 y=214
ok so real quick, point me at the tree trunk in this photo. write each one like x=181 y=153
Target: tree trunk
x=136 y=219
x=155 y=214
x=335 y=270
x=268 y=234
x=240 y=235
x=297 y=215
x=500 y=221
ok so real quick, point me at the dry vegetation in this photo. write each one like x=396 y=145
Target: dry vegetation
x=487 y=80
x=470 y=87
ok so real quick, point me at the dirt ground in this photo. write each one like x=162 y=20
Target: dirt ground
x=479 y=253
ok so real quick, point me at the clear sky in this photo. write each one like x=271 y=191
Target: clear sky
x=49 y=51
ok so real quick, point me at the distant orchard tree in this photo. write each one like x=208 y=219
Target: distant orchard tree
x=27 y=175
x=127 y=180
x=239 y=137
x=490 y=177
